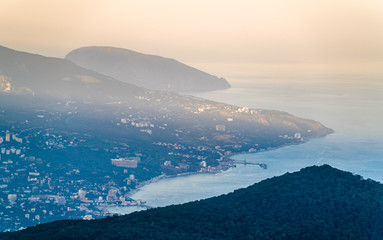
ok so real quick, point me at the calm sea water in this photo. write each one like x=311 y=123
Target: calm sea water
x=353 y=107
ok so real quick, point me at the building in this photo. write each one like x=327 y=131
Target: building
x=87 y=217
x=61 y=200
x=167 y=163
x=220 y=127
x=112 y=195
x=203 y=164
x=130 y=162
x=112 y=192
x=12 y=198
x=17 y=139
x=7 y=137
x=81 y=193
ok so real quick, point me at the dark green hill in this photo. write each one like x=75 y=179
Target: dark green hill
x=314 y=203
x=149 y=71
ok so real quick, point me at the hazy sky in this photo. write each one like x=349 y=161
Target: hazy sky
x=209 y=33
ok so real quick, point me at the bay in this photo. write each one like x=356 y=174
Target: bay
x=351 y=106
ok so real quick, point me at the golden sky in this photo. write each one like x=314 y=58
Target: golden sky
x=202 y=31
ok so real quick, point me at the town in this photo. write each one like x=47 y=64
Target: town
x=79 y=160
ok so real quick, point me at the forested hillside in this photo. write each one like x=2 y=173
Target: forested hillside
x=314 y=203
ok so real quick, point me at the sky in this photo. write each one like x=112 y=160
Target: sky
x=219 y=36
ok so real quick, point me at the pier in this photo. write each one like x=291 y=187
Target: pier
x=244 y=162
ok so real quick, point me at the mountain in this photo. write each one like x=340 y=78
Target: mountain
x=59 y=80
x=30 y=74
x=149 y=71
x=314 y=203
x=74 y=142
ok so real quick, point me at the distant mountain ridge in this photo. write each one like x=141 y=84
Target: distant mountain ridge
x=314 y=203
x=32 y=74
x=149 y=71
x=24 y=73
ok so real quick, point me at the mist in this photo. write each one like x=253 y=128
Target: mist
x=243 y=33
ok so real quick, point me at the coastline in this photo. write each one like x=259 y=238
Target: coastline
x=228 y=163
x=161 y=177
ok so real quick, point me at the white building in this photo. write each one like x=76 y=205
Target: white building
x=167 y=163
x=87 y=217
x=220 y=127
x=297 y=135
x=12 y=198
x=130 y=162
x=81 y=193
x=203 y=164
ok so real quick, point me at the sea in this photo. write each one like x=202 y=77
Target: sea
x=351 y=105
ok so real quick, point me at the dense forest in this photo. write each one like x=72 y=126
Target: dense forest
x=314 y=203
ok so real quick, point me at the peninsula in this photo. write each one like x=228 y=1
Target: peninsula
x=74 y=142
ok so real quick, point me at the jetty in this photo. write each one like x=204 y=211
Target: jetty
x=244 y=162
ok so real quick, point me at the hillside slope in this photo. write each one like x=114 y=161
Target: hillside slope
x=314 y=203
x=25 y=74
x=31 y=74
x=149 y=71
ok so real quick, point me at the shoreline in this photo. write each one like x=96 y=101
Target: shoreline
x=229 y=163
